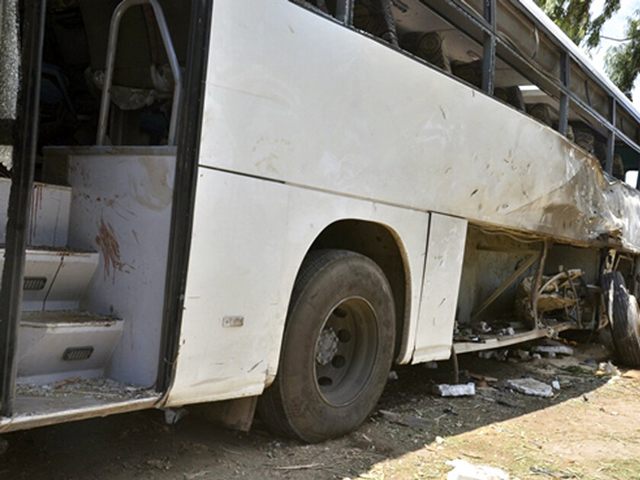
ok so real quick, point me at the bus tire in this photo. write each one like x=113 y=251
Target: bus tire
x=624 y=318
x=337 y=348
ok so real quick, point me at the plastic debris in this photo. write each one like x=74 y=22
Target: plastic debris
x=460 y=390
x=530 y=386
x=607 y=368
x=463 y=470
x=556 y=385
x=555 y=349
x=393 y=375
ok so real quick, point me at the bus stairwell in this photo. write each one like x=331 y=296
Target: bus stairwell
x=90 y=330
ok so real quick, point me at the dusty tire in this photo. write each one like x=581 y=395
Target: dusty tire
x=337 y=348
x=624 y=315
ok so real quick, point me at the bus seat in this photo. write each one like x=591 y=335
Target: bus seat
x=543 y=112
x=470 y=72
x=510 y=95
x=429 y=46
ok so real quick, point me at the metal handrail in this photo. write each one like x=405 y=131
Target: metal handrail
x=114 y=28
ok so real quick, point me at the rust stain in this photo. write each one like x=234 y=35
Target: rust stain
x=108 y=243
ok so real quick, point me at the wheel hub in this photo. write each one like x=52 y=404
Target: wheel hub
x=327 y=346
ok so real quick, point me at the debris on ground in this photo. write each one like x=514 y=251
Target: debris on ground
x=393 y=375
x=530 y=386
x=483 y=378
x=500 y=355
x=173 y=415
x=459 y=390
x=553 y=349
x=99 y=388
x=607 y=368
x=405 y=420
x=160 y=464
x=196 y=475
x=463 y=470
x=4 y=446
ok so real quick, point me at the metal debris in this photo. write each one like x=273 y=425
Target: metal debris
x=460 y=390
x=530 y=386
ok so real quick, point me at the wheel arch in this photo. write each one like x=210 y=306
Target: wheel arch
x=383 y=245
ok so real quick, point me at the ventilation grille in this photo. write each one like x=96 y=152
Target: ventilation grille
x=77 y=353
x=34 y=283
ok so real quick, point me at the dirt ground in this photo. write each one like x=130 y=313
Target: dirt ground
x=589 y=429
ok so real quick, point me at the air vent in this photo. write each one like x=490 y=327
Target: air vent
x=77 y=353
x=34 y=283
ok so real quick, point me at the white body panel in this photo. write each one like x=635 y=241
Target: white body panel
x=439 y=301
x=245 y=264
x=292 y=96
x=307 y=123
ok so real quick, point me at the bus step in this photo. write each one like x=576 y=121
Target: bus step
x=55 y=279
x=57 y=345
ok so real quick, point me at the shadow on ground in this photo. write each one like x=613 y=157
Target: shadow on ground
x=140 y=445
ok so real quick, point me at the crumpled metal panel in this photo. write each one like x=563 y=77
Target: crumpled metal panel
x=586 y=205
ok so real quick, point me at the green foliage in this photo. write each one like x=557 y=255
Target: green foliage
x=573 y=17
x=622 y=63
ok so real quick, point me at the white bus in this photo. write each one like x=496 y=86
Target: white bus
x=262 y=205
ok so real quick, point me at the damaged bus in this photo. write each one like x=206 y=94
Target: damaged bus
x=260 y=206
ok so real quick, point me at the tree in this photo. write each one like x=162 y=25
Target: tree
x=574 y=18
x=622 y=62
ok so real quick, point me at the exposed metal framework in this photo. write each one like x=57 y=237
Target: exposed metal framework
x=459 y=15
x=483 y=30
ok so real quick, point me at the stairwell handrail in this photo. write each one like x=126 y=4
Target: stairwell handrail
x=114 y=28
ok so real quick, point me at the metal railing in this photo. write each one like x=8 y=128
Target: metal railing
x=114 y=28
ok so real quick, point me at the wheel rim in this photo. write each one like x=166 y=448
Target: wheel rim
x=345 y=351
